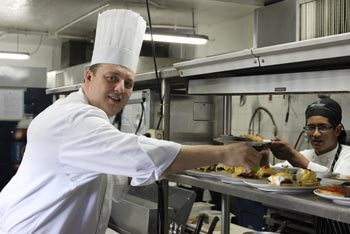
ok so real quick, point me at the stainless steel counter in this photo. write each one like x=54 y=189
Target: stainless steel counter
x=301 y=202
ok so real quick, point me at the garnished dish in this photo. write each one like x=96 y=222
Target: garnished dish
x=303 y=181
x=203 y=172
x=339 y=194
x=341 y=190
x=207 y=169
x=241 y=172
x=252 y=137
x=259 y=173
x=224 y=169
x=303 y=178
x=341 y=177
x=286 y=168
x=248 y=138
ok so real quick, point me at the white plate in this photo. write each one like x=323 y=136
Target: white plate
x=234 y=180
x=225 y=139
x=340 y=177
x=200 y=174
x=345 y=201
x=292 y=170
x=326 y=174
x=265 y=186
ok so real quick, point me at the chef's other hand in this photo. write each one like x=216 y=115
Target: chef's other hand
x=264 y=151
x=241 y=154
x=265 y=156
x=281 y=149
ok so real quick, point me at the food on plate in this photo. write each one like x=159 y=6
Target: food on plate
x=208 y=168
x=265 y=172
x=306 y=178
x=222 y=168
x=342 y=177
x=242 y=172
x=335 y=190
x=303 y=177
x=282 y=179
x=252 y=137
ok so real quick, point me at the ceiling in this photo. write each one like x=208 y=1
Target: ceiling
x=77 y=18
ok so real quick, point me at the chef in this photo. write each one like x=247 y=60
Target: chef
x=327 y=136
x=61 y=185
x=328 y=154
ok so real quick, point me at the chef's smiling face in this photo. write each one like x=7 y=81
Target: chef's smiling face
x=109 y=87
x=323 y=141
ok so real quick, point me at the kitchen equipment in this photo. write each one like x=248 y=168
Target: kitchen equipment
x=279 y=230
x=137 y=212
x=212 y=225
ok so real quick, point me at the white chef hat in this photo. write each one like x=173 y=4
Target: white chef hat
x=119 y=36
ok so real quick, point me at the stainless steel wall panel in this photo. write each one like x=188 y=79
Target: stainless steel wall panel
x=22 y=77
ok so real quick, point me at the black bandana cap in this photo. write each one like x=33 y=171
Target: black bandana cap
x=327 y=108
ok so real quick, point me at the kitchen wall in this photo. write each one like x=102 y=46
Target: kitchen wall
x=45 y=53
x=227 y=36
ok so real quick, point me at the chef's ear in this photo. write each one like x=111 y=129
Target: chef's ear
x=338 y=129
x=88 y=75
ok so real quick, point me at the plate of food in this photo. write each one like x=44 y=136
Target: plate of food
x=341 y=177
x=250 y=139
x=286 y=168
x=339 y=194
x=200 y=174
x=240 y=173
x=302 y=181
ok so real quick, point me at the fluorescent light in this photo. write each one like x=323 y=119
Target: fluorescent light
x=185 y=39
x=13 y=55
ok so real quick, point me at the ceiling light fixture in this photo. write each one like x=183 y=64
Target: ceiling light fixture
x=14 y=55
x=177 y=38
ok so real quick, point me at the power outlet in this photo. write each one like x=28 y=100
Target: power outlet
x=157 y=134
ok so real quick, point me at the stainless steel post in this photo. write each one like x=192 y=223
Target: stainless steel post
x=225 y=214
x=165 y=89
x=227 y=115
x=166 y=108
x=225 y=199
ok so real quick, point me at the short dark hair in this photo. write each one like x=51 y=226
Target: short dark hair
x=93 y=68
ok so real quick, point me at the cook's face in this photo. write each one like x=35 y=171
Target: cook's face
x=325 y=141
x=109 y=88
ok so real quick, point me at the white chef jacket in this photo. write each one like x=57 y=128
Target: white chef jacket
x=61 y=183
x=342 y=165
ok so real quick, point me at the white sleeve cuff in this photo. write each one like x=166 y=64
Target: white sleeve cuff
x=316 y=167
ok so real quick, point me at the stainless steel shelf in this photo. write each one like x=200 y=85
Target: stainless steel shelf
x=300 y=202
x=64 y=89
x=314 y=54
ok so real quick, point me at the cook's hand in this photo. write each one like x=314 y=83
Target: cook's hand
x=281 y=149
x=241 y=154
x=265 y=155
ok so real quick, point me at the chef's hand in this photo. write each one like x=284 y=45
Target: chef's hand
x=281 y=149
x=241 y=154
x=284 y=151
x=265 y=156
x=192 y=156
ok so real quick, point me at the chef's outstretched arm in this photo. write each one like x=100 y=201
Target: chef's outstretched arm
x=191 y=156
